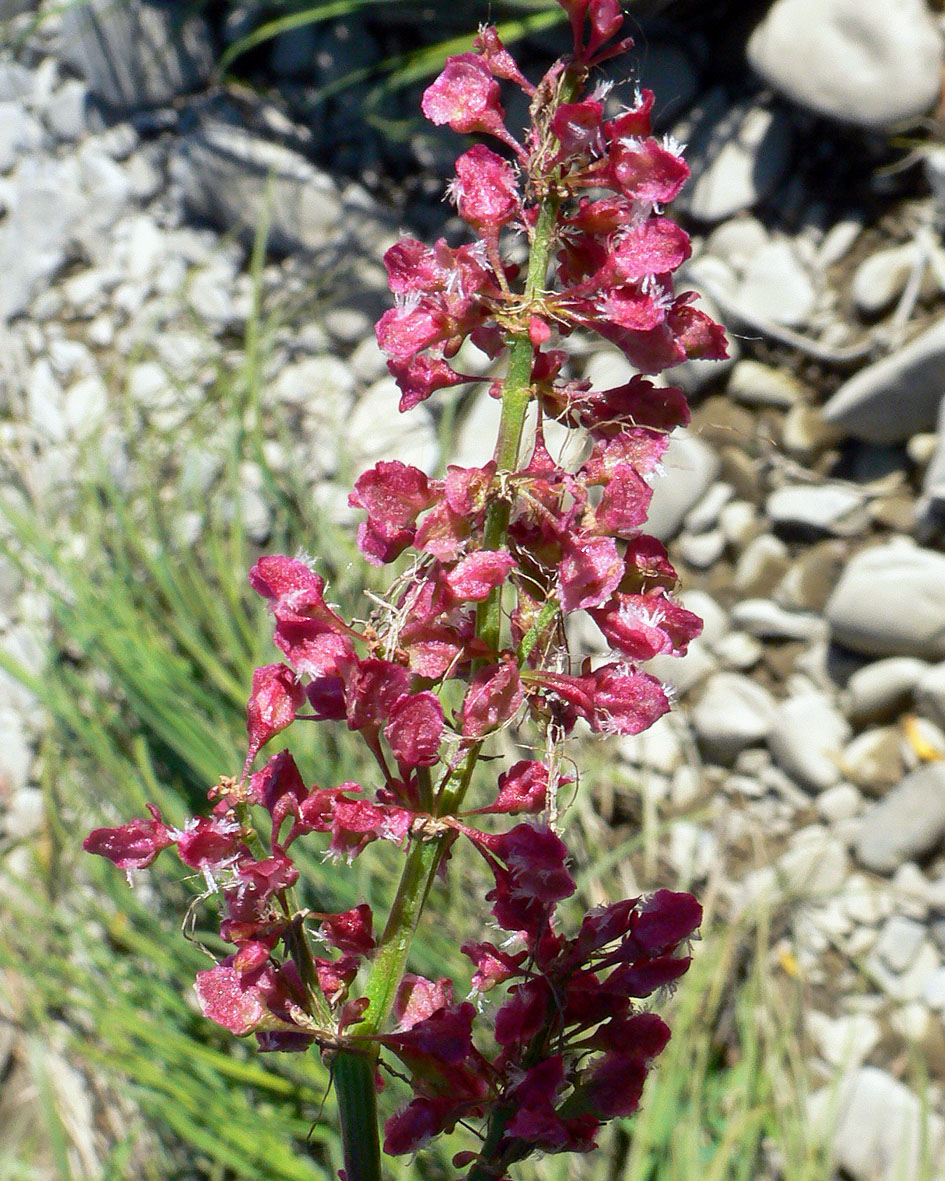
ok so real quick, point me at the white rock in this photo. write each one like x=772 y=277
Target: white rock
x=806 y=738
x=845 y=1041
x=882 y=688
x=880 y=279
x=737 y=155
x=861 y=61
x=86 y=404
x=765 y=619
x=933 y=994
x=683 y=673
x=37 y=235
x=16 y=755
x=733 y=712
x=44 y=402
x=19 y=134
x=762 y=385
x=896 y=397
x=706 y=514
x=376 y=431
x=878 y=1128
x=701 y=550
x=825 y=508
x=890 y=601
x=736 y=242
x=908 y=984
x=776 y=286
x=899 y=942
x=816 y=864
x=841 y=802
x=930 y=693
x=136 y=55
x=690 y=468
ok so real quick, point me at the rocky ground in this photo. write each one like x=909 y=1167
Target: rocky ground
x=805 y=505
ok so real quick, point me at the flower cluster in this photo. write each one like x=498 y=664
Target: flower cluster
x=493 y=560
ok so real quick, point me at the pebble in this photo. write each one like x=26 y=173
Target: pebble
x=827 y=508
x=845 y=1041
x=881 y=278
x=859 y=61
x=882 y=689
x=930 y=693
x=815 y=865
x=738 y=155
x=840 y=802
x=376 y=431
x=732 y=713
x=762 y=565
x=806 y=737
x=899 y=942
x=890 y=601
x=136 y=55
x=19 y=134
x=767 y=620
x=908 y=824
x=690 y=467
x=895 y=397
x=873 y=760
x=878 y=1129
x=705 y=515
x=684 y=673
x=755 y=384
x=16 y=754
x=85 y=406
x=736 y=242
x=701 y=550
x=776 y=286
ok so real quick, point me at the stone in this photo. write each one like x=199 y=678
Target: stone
x=690 y=467
x=767 y=620
x=683 y=673
x=930 y=694
x=16 y=755
x=899 y=942
x=890 y=601
x=375 y=431
x=865 y=62
x=809 y=582
x=761 y=566
x=896 y=397
x=882 y=689
x=138 y=53
x=805 y=433
x=931 y=507
x=36 y=236
x=732 y=713
x=776 y=286
x=881 y=278
x=16 y=81
x=877 y=1128
x=815 y=865
x=840 y=802
x=736 y=241
x=65 y=113
x=238 y=180
x=738 y=650
x=705 y=515
x=44 y=402
x=845 y=1041
x=908 y=824
x=755 y=384
x=806 y=737
x=738 y=154
x=12 y=8
x=701 y=550
x=818 y=509
x=19 y=134
x=873 y=760
x=85 y=406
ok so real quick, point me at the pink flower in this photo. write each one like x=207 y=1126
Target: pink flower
x=133 y=845
x=485 y=189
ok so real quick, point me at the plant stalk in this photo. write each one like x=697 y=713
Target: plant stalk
x=354 y=1072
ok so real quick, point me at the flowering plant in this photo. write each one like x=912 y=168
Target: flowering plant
x=500 y=555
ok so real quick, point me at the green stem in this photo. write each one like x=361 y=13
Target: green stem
x=354 y=1072
x=357 y=1106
